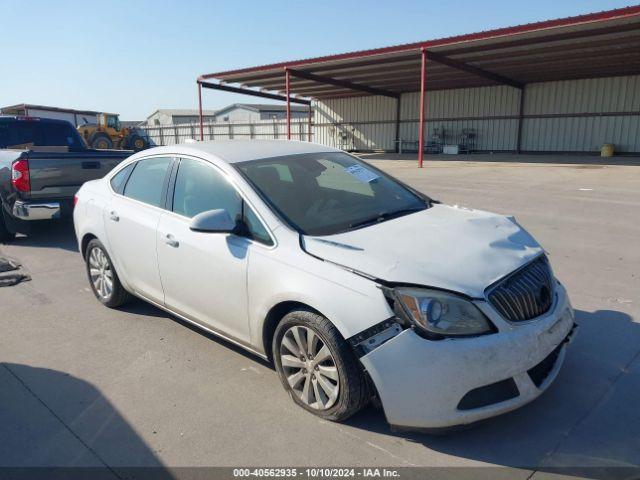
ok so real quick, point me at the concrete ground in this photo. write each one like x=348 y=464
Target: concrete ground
x=81 y=385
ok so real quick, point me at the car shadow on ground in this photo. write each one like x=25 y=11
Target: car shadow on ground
x=139 y=307
x=587 y=424
x=49 y=234
x=55 y=425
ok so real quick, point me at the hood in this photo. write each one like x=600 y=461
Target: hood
x=445 y=247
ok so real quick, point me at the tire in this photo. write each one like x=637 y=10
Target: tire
x=5 y=234
x=353 y=392
x=97 y=258
x=101 y=141
x=136 y=143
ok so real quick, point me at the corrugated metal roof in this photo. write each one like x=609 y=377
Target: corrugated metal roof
x=592 y=45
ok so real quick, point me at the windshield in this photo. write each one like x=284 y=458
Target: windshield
x=327 y=193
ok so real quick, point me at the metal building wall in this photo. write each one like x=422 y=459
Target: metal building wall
x=491 y=112
x=573 y=115
x=369 y=123
x=581 y=115
x=358 y=123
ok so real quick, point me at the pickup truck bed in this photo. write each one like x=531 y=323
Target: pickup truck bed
x=39 y=182
x=54 y=176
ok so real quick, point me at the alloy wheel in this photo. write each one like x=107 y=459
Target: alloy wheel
x=101 y=273
x=309 y=368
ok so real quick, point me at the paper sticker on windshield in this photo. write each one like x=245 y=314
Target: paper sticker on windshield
x=362 y=174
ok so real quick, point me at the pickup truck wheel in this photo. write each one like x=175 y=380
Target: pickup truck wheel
x=101 y=141
x=103 y=278
x=317 y=367
x=5 y=234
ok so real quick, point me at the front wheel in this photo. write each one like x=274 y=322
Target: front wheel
x=103 y=278
x=317 y=367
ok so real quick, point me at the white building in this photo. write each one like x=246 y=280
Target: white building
x=251 y=112
x=76 y=117
x=169 y=116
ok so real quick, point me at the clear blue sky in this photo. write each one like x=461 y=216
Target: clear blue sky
x=135 y=56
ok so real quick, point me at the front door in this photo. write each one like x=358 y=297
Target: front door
x=204 y=275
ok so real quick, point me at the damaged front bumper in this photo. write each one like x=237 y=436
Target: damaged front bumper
x=439 y=384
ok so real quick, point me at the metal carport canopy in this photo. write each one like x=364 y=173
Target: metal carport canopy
x=586 y=46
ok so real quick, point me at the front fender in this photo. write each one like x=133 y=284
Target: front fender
x=351 y=302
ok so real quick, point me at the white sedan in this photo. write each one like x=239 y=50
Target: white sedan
x=352 y=283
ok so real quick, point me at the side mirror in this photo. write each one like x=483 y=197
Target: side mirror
x=213 y=221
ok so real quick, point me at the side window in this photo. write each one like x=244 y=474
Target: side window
x=147 y=181
x=120 y=178
x=257 y=230
x=199 y=187
x=62 y=134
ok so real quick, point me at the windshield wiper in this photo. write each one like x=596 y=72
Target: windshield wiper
x=384 y=216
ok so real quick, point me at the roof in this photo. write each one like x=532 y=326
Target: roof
x=592 y=45
x=262 y=107
x=19 y=108
x=234 y=151
x=130 y=123
x=182 y=112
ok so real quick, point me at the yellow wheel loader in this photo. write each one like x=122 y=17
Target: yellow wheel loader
x=108 y=133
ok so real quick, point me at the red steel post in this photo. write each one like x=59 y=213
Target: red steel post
x=200 y=111
x=287 y=81
x=423 y=78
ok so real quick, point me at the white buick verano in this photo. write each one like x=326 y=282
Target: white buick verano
x=352 y=283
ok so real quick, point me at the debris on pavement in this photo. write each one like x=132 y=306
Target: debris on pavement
x=14 y=278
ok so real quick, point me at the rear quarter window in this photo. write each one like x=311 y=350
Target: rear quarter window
x=119 y=180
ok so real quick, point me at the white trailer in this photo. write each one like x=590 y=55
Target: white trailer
x=75 y=117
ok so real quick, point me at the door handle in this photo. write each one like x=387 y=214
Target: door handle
x=171 y=241
x=114 y=216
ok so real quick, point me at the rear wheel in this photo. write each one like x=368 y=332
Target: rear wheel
x=103 y=278
x=5 y=234
x=101 y=141
x=317 y=367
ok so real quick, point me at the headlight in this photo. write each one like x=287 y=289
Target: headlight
x=439 y=313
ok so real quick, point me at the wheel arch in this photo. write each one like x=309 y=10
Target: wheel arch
x=85 y=242
x=273 y=317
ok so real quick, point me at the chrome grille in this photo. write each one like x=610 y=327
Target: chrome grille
x=526 y=293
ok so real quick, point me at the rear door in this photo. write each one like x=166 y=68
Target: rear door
x=131 y=222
